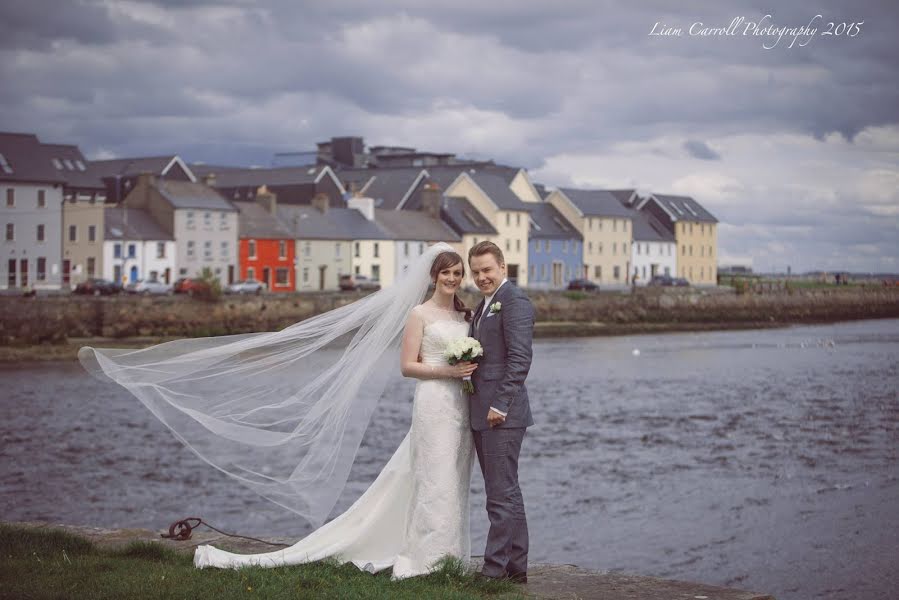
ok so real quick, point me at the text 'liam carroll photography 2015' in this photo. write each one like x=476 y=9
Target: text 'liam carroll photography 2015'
x=765 y=28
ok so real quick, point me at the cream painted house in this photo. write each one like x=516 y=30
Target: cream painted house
x=695 y=232
x=607 y=230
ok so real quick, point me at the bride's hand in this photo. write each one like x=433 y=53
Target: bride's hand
x=462 y=369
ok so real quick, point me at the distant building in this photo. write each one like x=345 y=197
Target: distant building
x=31 y=196
x=291 y=185
x=267 y=246
x=695 y=232
x=554 y=249
x=136 y=247
x=203 y=224
x=653 y=251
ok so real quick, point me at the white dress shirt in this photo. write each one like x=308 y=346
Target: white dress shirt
x=484 y=312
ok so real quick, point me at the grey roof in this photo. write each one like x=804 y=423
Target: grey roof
x=464 y=218
x=597 y=203
x=684 y=208
x=623 y=196
x=255 y=221
x=307 y=222
x=548 y=223
x=132 y=166
x=414 y=225
x=186 y=194
x=649 y=229
x=386 y=185
x=497 y=188
x=228 y=177
x=541 y=190
x=26 y=159
x=141 y=225
x=76 y=170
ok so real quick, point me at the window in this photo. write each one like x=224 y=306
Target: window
x=132 y=250
x=533 y=271
x=406 y=249
x=307 y=249
x=543 y=271
x=376 y=272
x=251 y=273
x=225 y=251
x=356 y=251
x=190 y=219
x=589 y=247
x=160 y=249
x=4 y=166
x=337 y=250
x=207 y=250
x=518 y=245
x=375 y=250
x=691 y=273
x=223 y=221
x=616 y=272
x=207 y=219
x=549 y=245
x=73 y=233
x=251 y=249
x=117 y=250
x=41 y=199
x=683 y=249
x=190 y=249
x=614 y=248
x=565 y=246
x=702 y=251
x=281 y=276
x=40 y=233
x=691 y=249
x=421 y=248
x=10 y=197
x=356 y=270
x=305 y=274
x=597 y=272
x=600 y=247
x=536 y=247
x=691 y=228
x=91 y=266
x=614 y=224
x=282 y=249
x=518 y=219
x=41 y=269
x=508 y=219
x=702 y=272
x=92 y=233
x=508 y=245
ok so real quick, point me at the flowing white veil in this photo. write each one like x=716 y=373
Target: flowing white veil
x=281 y=412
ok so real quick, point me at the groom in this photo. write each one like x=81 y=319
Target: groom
x=504 y=324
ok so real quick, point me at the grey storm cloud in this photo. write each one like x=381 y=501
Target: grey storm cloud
x=521 y=81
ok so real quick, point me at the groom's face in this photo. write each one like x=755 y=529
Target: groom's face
x=487 y=272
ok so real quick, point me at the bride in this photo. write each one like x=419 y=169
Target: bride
x=280 y=415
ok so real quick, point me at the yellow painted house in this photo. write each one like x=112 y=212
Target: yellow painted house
x=607 y=229
x=695 y=233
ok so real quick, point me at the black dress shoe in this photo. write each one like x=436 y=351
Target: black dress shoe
x=518 y=577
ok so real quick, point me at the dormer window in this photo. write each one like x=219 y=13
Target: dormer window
x=58 y=164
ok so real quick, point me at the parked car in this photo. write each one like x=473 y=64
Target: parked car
x=248 y=286
x=146 y=287
x=97 y=287
x=661 y=281
x=191 y=287
x=583 y=284
x=358 y=282
x=681 y=282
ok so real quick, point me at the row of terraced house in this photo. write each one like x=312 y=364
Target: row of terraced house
x=341 y=209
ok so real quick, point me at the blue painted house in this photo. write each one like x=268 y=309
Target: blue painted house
x=554 y=248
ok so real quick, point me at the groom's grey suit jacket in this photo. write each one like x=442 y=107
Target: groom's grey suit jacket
x=499 y=379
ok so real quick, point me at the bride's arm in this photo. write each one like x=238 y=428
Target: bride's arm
x=410 y=365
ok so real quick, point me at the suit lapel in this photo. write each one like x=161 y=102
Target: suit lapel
x=472 y=331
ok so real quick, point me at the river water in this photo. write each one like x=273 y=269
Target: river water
x=764 y=460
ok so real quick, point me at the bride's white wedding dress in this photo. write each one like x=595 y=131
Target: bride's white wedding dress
x=417 y=510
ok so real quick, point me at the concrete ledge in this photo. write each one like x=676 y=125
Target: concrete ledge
x=544 y=580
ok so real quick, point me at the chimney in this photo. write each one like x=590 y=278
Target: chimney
x=209 y=180
x=267 y=199
x=364 y=205
x=431 y=199
x=139 y=195
x=321 y=202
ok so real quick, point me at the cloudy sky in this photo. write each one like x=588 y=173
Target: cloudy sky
x=794 y=149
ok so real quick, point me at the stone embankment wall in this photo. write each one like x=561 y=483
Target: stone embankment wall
x=54 y=319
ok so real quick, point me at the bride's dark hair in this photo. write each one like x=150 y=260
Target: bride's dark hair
x=445 y=260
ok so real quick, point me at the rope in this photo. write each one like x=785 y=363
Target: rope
x=181 y=530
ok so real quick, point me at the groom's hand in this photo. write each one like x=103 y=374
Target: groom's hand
x=494 y=418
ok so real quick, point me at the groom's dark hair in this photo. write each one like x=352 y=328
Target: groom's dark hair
x=486 y=247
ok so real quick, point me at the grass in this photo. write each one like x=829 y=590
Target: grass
x=53 y=564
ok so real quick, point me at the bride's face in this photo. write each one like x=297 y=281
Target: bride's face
x=449 y=279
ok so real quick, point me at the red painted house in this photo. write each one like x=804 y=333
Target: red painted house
x=266 y=246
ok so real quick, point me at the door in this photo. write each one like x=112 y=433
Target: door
x=168 y=275
x=267 y=277
x=557 y=274
x=513 y=273
x=23 y=272
x=66 y=271
x=11 y=273
x=230 y=274
x=132 y=277
x=322 y=269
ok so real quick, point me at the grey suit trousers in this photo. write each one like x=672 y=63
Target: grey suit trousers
x=507 y=540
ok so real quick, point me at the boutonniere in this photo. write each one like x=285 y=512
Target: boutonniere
x=496 y=307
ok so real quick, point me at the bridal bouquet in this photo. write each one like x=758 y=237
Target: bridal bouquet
x=467 y=349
